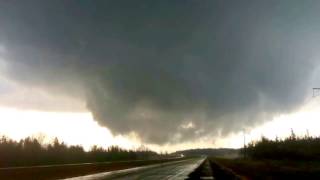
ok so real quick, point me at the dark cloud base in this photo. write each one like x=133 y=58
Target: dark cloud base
x=152 y=67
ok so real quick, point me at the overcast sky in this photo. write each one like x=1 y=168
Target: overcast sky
x=168 y=70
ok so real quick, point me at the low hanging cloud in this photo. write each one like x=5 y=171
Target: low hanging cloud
x=169 y=71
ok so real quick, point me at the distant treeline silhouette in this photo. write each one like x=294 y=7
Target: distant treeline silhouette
x=30 y=151
x=291 y=148
x=219 y=152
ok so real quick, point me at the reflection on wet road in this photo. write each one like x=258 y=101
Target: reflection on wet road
x=171 y=170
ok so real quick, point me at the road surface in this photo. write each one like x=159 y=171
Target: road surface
x=170 y=170
x=61 y=171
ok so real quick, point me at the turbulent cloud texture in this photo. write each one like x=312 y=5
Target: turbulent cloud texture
x=170 y=71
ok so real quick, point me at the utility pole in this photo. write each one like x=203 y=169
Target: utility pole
x=244 y=144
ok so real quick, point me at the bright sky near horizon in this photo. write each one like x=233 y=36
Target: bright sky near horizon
x=79 y=128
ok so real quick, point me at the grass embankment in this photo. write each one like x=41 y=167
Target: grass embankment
x=271 y=169
x=65 y=171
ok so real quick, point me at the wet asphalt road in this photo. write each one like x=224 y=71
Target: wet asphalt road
x=171 y=170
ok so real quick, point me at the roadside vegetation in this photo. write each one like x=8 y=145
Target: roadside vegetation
x=305 y=148
x=56 y=160
x=30 y=152
x=295 y=157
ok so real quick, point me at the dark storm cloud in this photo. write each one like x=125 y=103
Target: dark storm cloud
x=153 y=67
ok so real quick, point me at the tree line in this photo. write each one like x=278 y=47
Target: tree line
x=30 y=151
x=291 y=148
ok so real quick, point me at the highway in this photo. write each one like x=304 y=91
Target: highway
x=170 y=170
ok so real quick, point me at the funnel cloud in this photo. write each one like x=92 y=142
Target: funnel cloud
x=169 y=71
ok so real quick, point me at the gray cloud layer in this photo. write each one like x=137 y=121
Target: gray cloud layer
x=152 y=67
